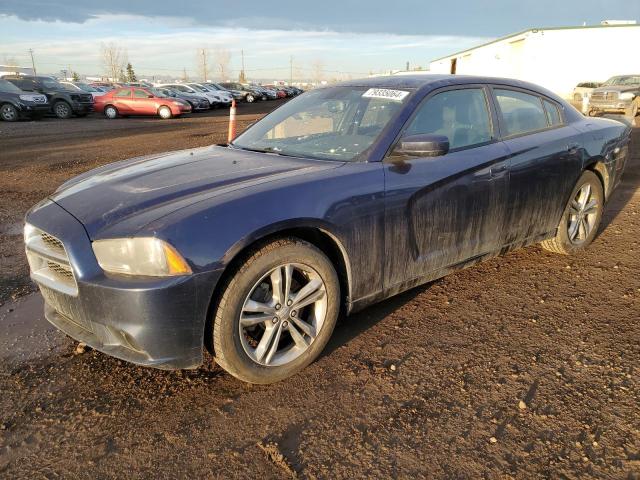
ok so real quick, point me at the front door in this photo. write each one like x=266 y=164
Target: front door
x=443 y=211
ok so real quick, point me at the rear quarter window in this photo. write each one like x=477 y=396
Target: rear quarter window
x=553 y=114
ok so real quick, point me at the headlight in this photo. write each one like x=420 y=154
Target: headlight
x=28 y=98
x=140 y=256
x=627 y=96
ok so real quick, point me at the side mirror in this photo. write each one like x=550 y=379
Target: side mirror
x=424 y=145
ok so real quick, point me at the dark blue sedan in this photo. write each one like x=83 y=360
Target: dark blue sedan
x=340 y=198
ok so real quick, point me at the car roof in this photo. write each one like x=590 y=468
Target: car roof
x=430 y=81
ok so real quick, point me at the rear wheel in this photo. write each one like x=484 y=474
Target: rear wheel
x=581 y=218
x=277 y=312
x=110 y=112
x=165 y=113
x=8 y=113
x=62 y=109
x=249 y=98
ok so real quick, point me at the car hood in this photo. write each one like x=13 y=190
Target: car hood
x=617 y=88
x=159 y=184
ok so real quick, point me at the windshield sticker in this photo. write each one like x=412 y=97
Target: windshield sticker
x=396 y=95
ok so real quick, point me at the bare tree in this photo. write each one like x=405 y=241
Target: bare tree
x=203 y=61
x=114 y=60
x=222 y=58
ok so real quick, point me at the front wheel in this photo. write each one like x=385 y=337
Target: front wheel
x=165 y=113
x=250 y=98
x=110 y=112
x=277 y=312
x=8 y=113
x=581 y=218
x=62 y=110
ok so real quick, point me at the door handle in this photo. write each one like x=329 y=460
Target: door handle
x=572 y=147
x=497 y=169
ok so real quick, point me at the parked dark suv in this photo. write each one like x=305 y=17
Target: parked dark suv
x=63 y=101
x=16 y=104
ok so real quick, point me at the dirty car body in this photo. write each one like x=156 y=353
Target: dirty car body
x=388 y=222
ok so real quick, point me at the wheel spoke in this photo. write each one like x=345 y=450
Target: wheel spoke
x=582 y=229
x=312 y=298
x=288 y=277
x=573 y=229
x=310 y=288
x=574 y=208
x=298 y=338
x=591 y=207
x=305 y=327
x=251 y=320
x=266 y=341
x=276 y=285
x=585 y=193
x=274 y=344
x=258 y=307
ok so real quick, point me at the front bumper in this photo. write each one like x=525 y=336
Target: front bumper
x=33 y=110
x=82 y=108
x=157 y=322
x=616 y=106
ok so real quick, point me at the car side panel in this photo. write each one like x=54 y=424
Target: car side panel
x=345 y=202
x=544 y=167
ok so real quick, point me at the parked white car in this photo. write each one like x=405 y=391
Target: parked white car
x=214 y=100
x=84 y=88
x=214 y=97
x=224 y=95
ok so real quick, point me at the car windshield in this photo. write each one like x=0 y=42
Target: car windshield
x=8 y=87
x=337 y=123
x=86 y=88
x=197 y=88
x=624 y=80
x=168 y=92
x=216 y=86
x=51 y=83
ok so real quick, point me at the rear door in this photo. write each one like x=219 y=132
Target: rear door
x=443 y=211
x=545 y=162
x=121 y=99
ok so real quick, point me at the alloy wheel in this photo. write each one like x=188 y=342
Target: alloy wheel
x=110 y=112
x=165 y=113
x=62 y=110
x=583 y=211
x=9 y=113
x=250 y=98
x=283 y=314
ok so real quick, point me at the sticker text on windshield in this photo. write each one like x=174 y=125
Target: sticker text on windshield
x=397 y=95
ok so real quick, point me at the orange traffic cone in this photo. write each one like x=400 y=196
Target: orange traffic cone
x=232 y=122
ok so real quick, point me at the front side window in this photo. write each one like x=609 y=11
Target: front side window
x=337 y=123
x=460 y=115
x=521 y=112
x=137 y=93
x=123 y=92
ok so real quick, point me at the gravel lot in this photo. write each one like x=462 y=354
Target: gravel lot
x=526 y=366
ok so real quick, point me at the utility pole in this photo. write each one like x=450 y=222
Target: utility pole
x=407 y=66
x=290 y=69
x=204 y=64
x=33 y=63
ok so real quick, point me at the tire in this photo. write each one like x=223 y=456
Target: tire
x=578 y=227
x=165 y=112
x=250 y=98
x=8 y=112
x=110 y=112
x=245 y=350
x=62 y=109
x=632 y=111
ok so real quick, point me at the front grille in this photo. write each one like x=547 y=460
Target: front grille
x=605 y=96
x=86 y=98
x=49 y=262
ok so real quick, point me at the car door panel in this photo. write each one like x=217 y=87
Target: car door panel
x=445 y=210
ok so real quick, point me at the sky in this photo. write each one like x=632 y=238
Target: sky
x=341 y=39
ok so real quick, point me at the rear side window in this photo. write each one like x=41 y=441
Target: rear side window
x=553 y=114
x=460 y=115
x=521 y=112
x=124 y=92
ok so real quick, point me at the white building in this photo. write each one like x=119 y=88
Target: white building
x=15 y=70
x=556 y=58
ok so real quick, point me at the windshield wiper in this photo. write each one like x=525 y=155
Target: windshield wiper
x=264 y=150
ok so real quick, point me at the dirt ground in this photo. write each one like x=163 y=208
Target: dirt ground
x=526 y=366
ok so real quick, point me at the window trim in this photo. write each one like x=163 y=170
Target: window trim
x=493 y=119
x=501 y=121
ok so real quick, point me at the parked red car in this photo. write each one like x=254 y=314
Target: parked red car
x=125 y=101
